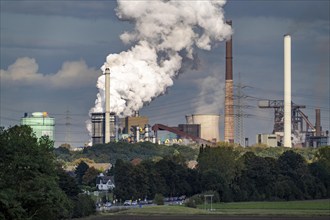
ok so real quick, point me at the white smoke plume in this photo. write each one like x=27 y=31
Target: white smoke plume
x=164 y=32
x=210 y=95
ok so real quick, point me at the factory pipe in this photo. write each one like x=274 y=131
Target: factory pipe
x=229 y=104
x=107 y=105
x=287 y=91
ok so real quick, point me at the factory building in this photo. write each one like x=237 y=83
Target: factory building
x=131 y=128
x=98 y=127
x=41 y=124
x=271 y=140
x=192 y=129
x=136 y=121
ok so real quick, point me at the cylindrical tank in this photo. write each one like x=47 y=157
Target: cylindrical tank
x=210 y=125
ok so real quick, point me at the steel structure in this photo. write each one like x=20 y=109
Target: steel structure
x=297 y=116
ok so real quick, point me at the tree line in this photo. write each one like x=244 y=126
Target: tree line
x=105 y=153
x=231 y=174
x=33 y=184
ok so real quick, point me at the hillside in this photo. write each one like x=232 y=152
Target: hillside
x=105 y=153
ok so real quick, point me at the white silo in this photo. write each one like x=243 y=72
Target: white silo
x=210 y=125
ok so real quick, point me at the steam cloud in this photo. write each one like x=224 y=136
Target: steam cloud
x=165 y=32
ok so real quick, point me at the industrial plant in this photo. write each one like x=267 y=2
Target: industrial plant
x=288 y=129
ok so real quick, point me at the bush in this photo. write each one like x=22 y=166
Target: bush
x=159 y=199
x=83 y=206
x=194 y=201
x=191 y=203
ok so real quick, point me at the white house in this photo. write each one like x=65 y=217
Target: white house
x=104 y=183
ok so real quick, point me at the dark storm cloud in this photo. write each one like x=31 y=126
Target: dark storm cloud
x=80 y=9
x=303 y=10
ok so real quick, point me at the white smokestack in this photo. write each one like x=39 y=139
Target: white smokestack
x=164 y=32
x=107 y=105
x=287 y=91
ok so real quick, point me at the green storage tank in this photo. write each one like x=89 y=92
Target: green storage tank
x=41 y=124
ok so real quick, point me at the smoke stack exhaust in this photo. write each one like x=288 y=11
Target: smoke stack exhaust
x=107 y=105
x=287 y=91
x=318 y=122
x=229 y=56
x=229 y=103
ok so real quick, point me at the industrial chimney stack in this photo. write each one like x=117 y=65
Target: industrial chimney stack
x=318 y=128
x=229 y=103
x=287 y=91
x=107 y=105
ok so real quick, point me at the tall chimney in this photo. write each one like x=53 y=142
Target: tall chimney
x=318 y=122
x=229 y=103
x=287 y=91
x=107 y=105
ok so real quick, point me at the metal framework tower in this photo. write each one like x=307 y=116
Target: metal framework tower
x=239 y=115
x=67 y=127
x=297 y=116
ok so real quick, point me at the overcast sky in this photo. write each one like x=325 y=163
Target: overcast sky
x=52 y=51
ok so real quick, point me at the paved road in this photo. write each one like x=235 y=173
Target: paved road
x=205 y=217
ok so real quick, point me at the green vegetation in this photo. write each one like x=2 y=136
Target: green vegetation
x=159 y=199
x=283 y=205
x=230 y=174
x=291 y=208
x=32 y=184
x=164 y=210
x=105 y=153
x=287 y=208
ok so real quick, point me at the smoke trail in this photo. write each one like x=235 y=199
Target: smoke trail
x=210 y=95
x=164 y=32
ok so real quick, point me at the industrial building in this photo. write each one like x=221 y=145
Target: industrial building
x=41 y=124
x=270 y=140
x=303 y=132
x=129 y=128
x=288 y=130
x=289 y=119
x=98 y=128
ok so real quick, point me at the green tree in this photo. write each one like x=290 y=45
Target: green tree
x=67 y=183
x=320 y=169
x=294 y=173
x=125 y=188
x=159 y=199
x=80 y=171
x=83 y=206
x=90 y=176
x=28 y=178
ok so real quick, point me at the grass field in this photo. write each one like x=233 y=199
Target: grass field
x=309 y=207
x=301 y=205
x=290 y=208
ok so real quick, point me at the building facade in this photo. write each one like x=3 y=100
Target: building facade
x=41 y=124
